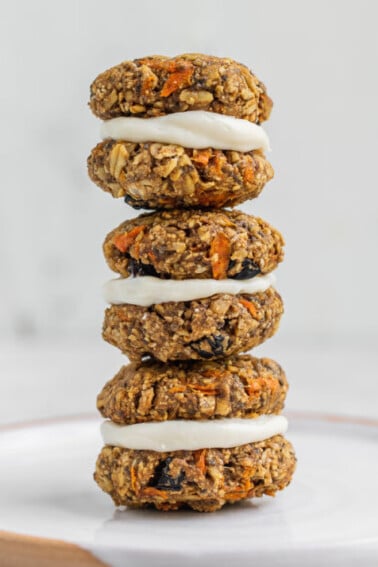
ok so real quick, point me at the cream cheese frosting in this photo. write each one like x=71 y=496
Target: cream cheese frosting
x=149 y=290
x=191 y=129
x=190 y=435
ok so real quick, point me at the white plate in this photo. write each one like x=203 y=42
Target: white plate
x=327 y=517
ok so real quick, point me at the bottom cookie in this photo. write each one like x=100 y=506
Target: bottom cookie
x=204 y=480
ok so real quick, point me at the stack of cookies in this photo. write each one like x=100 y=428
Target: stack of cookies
x=190 y=421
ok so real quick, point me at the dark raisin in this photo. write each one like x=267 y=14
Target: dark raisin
x=249 y=270
x=214 y=342
x=202 y=353
x=162 y=479
x=134 y=203
x=136 y=268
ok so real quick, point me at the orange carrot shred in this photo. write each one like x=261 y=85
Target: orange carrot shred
x=262 y=383
x=211 y=199
x=209 y=389
x=154 y=492
x=202 y=156
x=217 y=162
x=180 y=77
x=147 y=84
x=242 y=491
x=177 y=389
x=220 y=256
x=251 y=308
x=152 y=256
x=123 y=241
x=200 y=460
x=133 y=477
x=249 y=174
x=212 y=372
x=254 y=388
x=236 y=495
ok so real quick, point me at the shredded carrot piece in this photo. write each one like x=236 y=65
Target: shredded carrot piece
x=121 y=314
x=202 y=156
x=123 y=241
x=177 y=389
x=200 y=460
x=248 y=174
x=133 y=477
x=152 y=256
x=212 y=372
x=155 y=492
x=271 y=383
x=220 y=256
x=217 y=162
x=242 y=491
x=212 y=200
x=251 y=308
x=209 y=389
x=180 y=76
x=247 y=480
x=255 y=386
x=236 y=495
x=148 y=82
x=175 y=65
x=212 y=197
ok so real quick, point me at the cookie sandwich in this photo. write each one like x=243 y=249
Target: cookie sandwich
x=193 y=285
x=180 y=132
x=194 y=434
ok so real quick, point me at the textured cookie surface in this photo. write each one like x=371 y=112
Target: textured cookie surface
x=182 y=244
x=240 y=386
x=202 y=329
x=205 y=480
x=160 y=176
x=157 y=85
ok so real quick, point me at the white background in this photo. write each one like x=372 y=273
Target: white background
x=319 y=62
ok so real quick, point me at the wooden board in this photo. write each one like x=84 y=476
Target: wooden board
x=26 y=551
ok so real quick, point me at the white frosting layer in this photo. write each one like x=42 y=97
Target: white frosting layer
x=191 y=129
x=148 y=290
x=191 y=435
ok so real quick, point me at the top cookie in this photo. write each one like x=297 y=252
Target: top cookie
x=157 y=85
